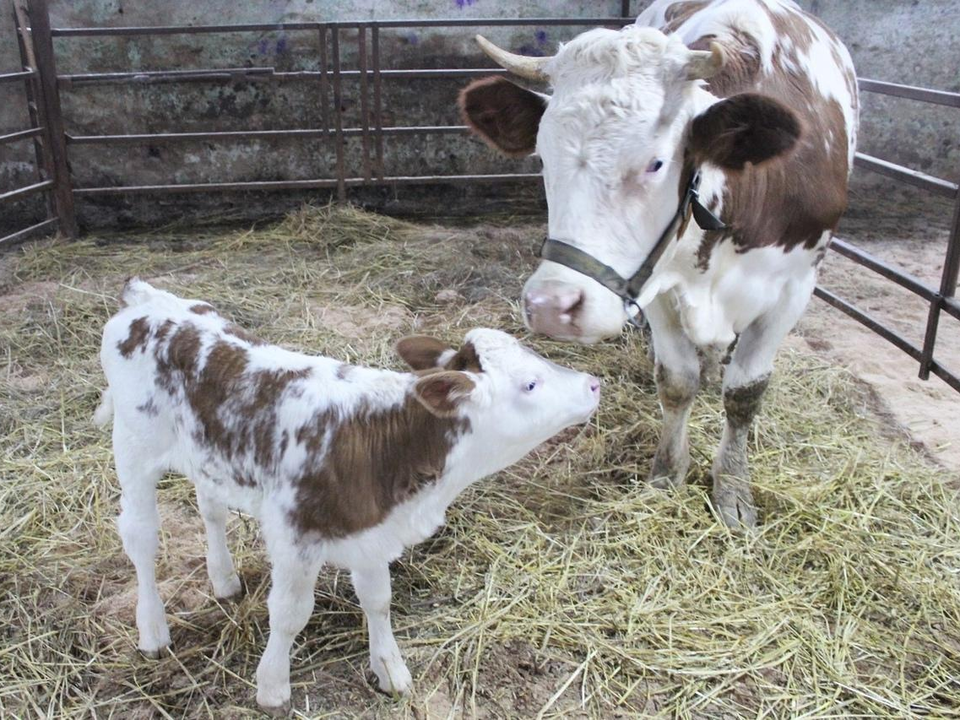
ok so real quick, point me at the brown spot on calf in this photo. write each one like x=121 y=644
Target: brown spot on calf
x=376 y=460
x=138 y=337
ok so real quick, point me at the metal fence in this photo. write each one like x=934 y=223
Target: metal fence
x=42 y=85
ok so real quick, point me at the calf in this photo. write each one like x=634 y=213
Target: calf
x=341 y=464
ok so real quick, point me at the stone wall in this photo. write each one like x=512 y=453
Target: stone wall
x=912 y=42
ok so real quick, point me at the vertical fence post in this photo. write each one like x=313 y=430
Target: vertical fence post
x=364 y=101
x=948 y=289
x=377 y=100
x=34 y=106
x=624 y=8
x=55 y=138
x=338 y=109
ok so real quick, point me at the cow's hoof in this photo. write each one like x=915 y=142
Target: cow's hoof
x=277 y=711
x=734 y=505
x=666 y=476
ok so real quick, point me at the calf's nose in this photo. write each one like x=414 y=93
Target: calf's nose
x=594 y=382
x=552 y=308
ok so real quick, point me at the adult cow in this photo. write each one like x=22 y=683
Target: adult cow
x=634 y=143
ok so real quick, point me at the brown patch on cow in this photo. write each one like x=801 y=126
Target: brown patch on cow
x=375 y=460
x=786 y=202
x=677 y=14
x=504 y=115
x=343 y=371
x=202 y=309
x=238 y=332
x=742 y=403
x=138 y=337
x=161 y=332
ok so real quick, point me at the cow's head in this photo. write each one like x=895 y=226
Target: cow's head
x=628 y=113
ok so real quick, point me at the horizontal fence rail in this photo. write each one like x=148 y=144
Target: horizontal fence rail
x=369 y=161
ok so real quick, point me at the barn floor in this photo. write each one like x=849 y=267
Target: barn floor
x=562 y=587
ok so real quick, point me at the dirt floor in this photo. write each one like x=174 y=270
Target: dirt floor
x=563 y=587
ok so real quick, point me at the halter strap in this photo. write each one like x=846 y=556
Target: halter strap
x=629 y=289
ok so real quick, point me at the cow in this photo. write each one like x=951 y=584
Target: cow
x=341 y=464
x=695 y=167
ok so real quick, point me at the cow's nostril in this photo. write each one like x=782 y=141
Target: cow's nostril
x=595 y=385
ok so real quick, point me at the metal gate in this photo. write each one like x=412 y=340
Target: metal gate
x=42 y=85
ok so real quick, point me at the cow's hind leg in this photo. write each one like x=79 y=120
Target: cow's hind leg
x=677 y=375
x=139 y=526
x=373 y=590
x=744 y=383
x=220 y=569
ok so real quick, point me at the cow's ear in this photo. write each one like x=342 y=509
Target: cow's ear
x=441 y=393
x=746 y=128
x=421 y=352
x=506 y=116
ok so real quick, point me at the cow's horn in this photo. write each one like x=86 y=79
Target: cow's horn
x=704 y=64
x=527 y=67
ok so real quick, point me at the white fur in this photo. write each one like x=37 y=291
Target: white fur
x=506 y=420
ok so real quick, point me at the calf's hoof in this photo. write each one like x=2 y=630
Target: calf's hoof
x=229 y=591
x=282 y=710
x=393 y=678
x=154 y=654
x=734 y=504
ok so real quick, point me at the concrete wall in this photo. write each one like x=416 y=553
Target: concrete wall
x=915 y=42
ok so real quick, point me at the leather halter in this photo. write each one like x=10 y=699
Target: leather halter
x=628 y=289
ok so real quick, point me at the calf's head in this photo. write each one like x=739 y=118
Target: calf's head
x=509 y=393
x=618 y=138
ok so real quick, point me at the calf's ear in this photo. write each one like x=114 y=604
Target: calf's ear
x=421 y=352
x=442 y=393
x=745 y=128
x=504 y=115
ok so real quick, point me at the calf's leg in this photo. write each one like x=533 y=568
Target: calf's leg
x=678 y=378
x=293 y=575
x=139 y=526
x=372 y=585
x=744 y=383
x=223 y=576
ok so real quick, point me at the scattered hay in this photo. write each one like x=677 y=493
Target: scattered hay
x=562 y=586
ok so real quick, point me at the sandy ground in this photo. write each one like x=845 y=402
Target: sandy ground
x=910 y=232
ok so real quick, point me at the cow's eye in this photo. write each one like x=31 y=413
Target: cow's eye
x=654 y=166
x=530 y=386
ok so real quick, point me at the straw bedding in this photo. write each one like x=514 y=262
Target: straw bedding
x=561 y=587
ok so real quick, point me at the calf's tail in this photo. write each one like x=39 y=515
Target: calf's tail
x=104 y=412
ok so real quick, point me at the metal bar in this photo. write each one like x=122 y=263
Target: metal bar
x=937 y=97
x=449 y=22
x=861 y=257
x=911 y=177
x=49 y=224
x=241 y=135
x=948 y=289
x=152 y=77
x=16 y=76
x=869 y=321
x=364 y=102
x=306 y=184
x=324 y=82
x=624 y=8
x=377 y=98
x=951 y=306
x=948 y=377
x=47 y=72
x=25 y=191
x=338 y=113
x=21 y=135
x=226 y=75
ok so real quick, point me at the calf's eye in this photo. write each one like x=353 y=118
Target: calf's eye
x=530 y=386
x=654 y=166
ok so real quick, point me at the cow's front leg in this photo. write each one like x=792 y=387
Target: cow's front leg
x=744 y=382
x=678 y=379
x=372 y=585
